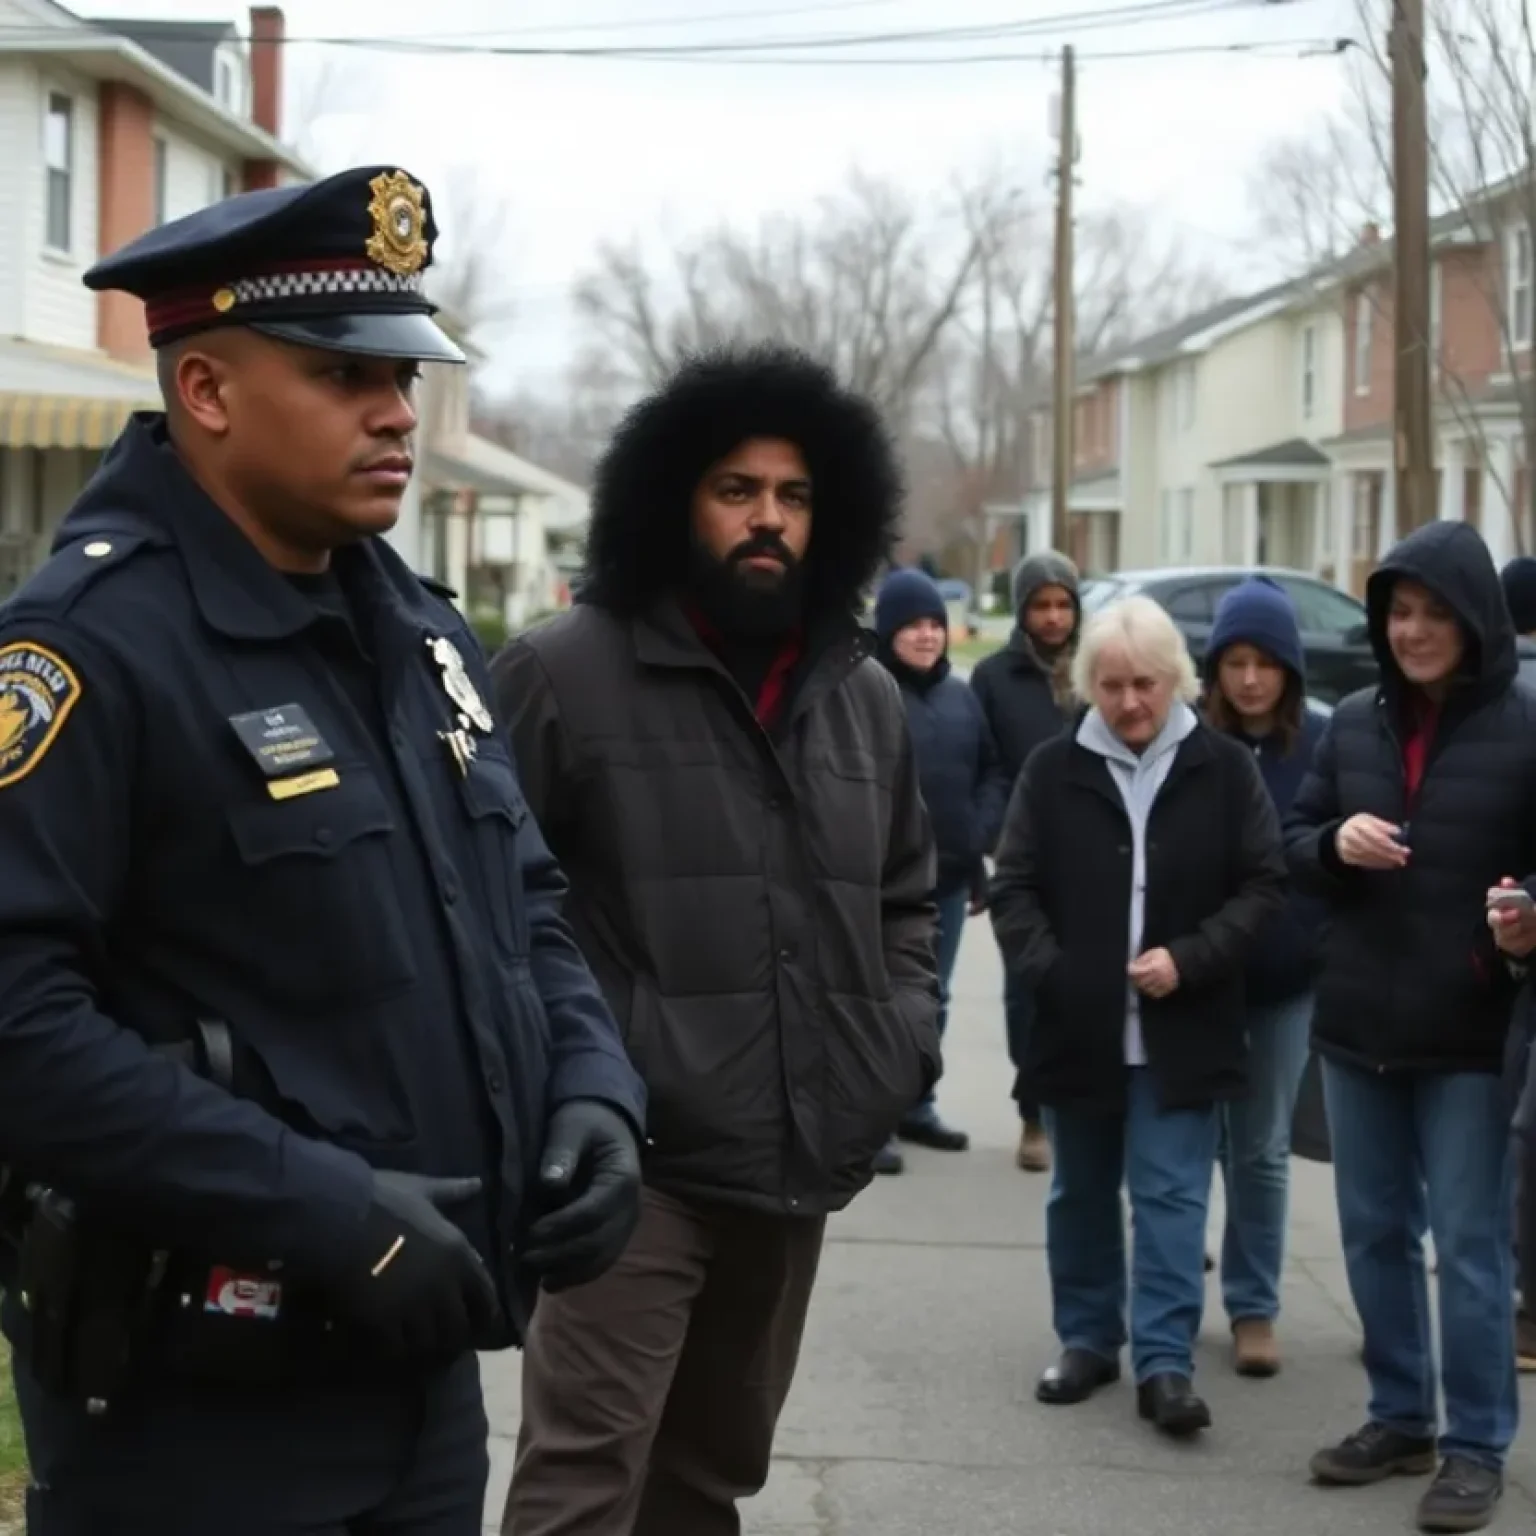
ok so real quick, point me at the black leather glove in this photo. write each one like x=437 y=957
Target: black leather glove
x=589 y=1183
x=418 y=1285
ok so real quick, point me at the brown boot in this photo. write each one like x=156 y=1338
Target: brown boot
x=1034 y=1154
x=1525 y=1342
x=1254 y=1350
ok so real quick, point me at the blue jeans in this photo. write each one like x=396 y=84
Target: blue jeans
x=1018 y=1013
x=953 y=911
x=1400 y=1142
x=1256 y=1158
x=1165 y=1161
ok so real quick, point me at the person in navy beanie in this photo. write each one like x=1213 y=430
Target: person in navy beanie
x=1255 y=690
x=964 y=786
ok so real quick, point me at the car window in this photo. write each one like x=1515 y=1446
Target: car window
x=1097 y=591
x=1196 y=604
x=1324 y=609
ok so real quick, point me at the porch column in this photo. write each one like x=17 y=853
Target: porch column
x=1453 y=483
x=1341 y=498
x=1498 y=487
x=1386 y=535
x=1250 y=523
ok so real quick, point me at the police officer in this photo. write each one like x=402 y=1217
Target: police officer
x=304 y=1078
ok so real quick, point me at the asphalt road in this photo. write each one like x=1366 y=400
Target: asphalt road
x=913 y=1411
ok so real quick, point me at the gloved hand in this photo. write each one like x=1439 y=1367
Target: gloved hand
x=590 y=1175
x=418 y=1285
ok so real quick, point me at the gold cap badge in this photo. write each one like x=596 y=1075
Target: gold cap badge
x=398 y=242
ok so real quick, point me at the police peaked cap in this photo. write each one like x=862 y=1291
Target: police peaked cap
x=337 y=264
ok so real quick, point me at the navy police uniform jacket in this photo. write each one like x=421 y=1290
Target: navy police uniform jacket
x=230 y=794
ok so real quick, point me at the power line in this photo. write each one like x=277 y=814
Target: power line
x=476 y=43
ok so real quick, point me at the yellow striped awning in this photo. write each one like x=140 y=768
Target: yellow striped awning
x=64 y=421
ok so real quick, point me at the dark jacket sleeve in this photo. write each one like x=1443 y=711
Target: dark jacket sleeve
x=1023 y=931
x=85 y=1103
x=992 y=788
x=1314 y=820
x=1220 y=945
x=587 y=1055
x=908 y=916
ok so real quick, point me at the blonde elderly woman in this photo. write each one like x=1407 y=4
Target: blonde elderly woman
x=1140 y=856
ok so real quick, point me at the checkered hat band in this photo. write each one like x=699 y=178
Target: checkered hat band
x=340 y=277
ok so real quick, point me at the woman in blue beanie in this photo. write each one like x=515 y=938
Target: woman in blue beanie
x=963 y=782
x=1255 y=676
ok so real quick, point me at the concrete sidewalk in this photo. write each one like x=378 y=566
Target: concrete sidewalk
x=913 y=1413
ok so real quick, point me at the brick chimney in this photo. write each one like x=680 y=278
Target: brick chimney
x=267 y=32
x=125 y=183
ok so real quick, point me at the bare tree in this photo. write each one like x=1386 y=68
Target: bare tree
x=995 y=362
x=564 y=430
x=870 y=282
x=469 y=276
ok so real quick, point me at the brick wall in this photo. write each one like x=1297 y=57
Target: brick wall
x=1096 y=429
x=125 y=160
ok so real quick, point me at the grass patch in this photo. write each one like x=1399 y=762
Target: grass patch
x=969 y=652
x=13 y=1451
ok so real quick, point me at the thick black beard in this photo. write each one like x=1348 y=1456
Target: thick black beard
x=740 y=603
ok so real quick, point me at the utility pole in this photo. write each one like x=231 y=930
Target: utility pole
x=1065 y=384
x=1413 y=405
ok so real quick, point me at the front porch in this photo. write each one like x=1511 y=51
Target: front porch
x=1094 y=506
x=1276 y=508
x=1480 y=478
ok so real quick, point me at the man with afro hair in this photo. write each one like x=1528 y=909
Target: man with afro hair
x=724 y=772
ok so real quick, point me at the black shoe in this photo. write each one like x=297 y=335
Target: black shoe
x=1371 y=1455
x=1076 y=1377
x=1171 y=1403
x=889 y=1159
x=1463 y=1497
x=930 y=1131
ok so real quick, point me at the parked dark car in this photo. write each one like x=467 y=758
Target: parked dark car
x=1339 y=657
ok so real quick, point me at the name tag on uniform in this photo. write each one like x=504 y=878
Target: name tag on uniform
x=287 y=748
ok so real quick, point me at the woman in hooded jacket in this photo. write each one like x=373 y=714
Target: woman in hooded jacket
x=1420 y=802
x=1255 y=692
x=964 y=786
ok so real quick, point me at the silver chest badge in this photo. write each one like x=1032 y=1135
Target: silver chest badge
x=457 y=686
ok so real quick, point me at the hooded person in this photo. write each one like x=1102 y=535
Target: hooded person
x=963 y=784
x=1025 y=691
x=727 y=776
x=1255 y=691
x=1417 y=814
x=1518 y=578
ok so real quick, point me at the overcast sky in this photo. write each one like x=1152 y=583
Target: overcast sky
x=584 y=149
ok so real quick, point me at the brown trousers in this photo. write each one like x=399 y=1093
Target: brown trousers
x=650 y=1397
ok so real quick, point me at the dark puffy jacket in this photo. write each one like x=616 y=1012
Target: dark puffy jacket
x=1410 y=979
x=962 y=778
x=756 y=908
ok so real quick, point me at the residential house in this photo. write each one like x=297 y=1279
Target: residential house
x=1260 y=430
x=106 y=129
x=499 y=530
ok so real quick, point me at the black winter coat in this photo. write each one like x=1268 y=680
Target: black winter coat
x=962 y=778
x=1411 y=980
x=1060 y=905
x=1015 y=693
x=756 y=907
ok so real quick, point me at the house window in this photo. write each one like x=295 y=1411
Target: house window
x=59 y=161
x=159 y=180
x=231 y=186
x=1308 y=372
x=224 y=80
x=1186 y=523
x=1518 y=258
x=1364 y=316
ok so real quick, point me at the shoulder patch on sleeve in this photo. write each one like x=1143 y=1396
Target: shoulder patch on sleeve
x=38 y=689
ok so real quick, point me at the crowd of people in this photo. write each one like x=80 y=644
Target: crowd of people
x=1199 y=880
x=368 y=1004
